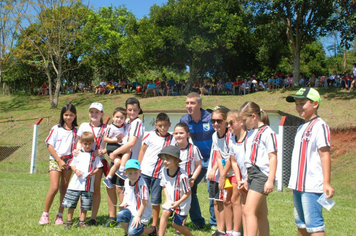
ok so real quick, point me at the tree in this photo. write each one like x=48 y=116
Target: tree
x=11 y=13
x=304 y=22
x=53 y=33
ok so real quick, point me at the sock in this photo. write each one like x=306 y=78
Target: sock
x=45 y=213
x=109 y=177
x=223 y=232
x=122 y=168
x=60 y=214
x=236 y=233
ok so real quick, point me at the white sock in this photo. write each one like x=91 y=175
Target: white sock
x=122 y=168
x=60 y=214
x=109 y=177
x=45 y=213
x=236 y=233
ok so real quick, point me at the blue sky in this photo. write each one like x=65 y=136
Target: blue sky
x=139 y=8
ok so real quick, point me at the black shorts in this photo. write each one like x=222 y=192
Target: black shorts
x=110 y=147
x=215 y=193
x=256 y=179
x=116 y=180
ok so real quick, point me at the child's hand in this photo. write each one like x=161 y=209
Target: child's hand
x=120 y=137
x=75 y=152
x=328 y=190
x=221 y=182
x=78 y=173
x=268 y=187
x=101 y=152
x=62 y=165
x=174 y=205
x=191 y=182
x=242 y=185
x=211 y=175
x=136 y=221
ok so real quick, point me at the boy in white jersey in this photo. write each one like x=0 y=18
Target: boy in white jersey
x=136 y=208
x=176 y=190
x=85 y=165
x=148 y=157
x=311 y=164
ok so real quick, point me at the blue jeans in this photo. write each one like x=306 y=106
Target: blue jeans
x=125 y=216
x=194 y=212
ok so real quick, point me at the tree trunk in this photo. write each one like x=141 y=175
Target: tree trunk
x=296 y=63
x=192 y=78
x=345 y=61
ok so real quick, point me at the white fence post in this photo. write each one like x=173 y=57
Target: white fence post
x=34 y=146
x=279 y=174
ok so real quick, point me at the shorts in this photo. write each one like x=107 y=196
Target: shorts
x=256 y=179
x=155 y=189
x=178 y=219
x=308 y=212
x=125 y=216
x=110 y=147
x=233 y=179
x=53 y=165
x=116 y=180
x=72 y=196
x=214 y=192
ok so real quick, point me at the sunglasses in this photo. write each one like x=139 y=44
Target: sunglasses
x=217 y=120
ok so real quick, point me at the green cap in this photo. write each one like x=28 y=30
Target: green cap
x=308 y=93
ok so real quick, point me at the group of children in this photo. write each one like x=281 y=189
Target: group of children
x=241 y=169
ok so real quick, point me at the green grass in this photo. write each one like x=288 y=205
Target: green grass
x=22 y=194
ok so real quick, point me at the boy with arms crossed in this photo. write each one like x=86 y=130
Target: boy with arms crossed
x=311 y=164
x=85 y=165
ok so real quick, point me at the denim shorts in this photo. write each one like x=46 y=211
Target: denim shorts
x=125 y=216
x=155 y=188
x=72 y=197
x=178 y=219
x=308 y=212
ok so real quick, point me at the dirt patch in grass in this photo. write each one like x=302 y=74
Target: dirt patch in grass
x=343 y=141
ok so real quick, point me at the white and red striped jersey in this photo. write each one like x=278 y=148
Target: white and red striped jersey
x=135 y=128
x=220 y=144
x=98 y=132
x=176 y=187
x=151 y=164
x=86 y=162
x=237 y=149
x=306 y=170
x=62 y=140
x=113 y=131
x=259 y=143
x=188 y=157
x=133 y=196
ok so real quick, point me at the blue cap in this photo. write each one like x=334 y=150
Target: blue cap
x=132 y=164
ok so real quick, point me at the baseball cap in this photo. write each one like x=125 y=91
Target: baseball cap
x=308 y=93
x=133 y=100
x=132 y=164
x=171 y=151
x=97 y=105
x=218 y=107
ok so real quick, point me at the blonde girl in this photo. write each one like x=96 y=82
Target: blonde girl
x=60 y=144
x=219 y=152
x=98 y=129
x=261 y=164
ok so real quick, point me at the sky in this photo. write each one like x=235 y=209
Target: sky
x=139 y=8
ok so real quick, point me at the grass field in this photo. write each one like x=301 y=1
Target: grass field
x=22 y=194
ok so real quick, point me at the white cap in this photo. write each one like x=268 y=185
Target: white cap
x=97 y=105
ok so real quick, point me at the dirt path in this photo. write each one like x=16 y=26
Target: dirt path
x=342 y=142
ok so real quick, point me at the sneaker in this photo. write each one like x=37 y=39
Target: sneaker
x=59 y=220
x=196 y=227
x=68 y=225
x=218 y=233
x=92 y=222
x=108 y=183
x=110 y=223
x=177 y=232
x=44 y=220
x=82 y=224
x=154 y=232
x=121 y=175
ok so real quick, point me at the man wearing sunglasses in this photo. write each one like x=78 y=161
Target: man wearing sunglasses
x=201 y=131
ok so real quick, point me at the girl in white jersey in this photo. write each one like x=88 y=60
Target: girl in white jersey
x=261 y=164
x=98 y=129
x=237 y=151
x=189 y=155
x=219 y=154
x=60 y=144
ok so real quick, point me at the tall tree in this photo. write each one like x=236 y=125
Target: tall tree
x=53 y=33
x=304 y=22
x=11 y=14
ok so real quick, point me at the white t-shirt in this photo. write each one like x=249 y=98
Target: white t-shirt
x=133 y=196
x=62 y=140
x=220 y=144
x=237 y=150
x=176 y=187
x=86 y=162
x=113 y=131
x=188 y=157
x=260 y=142
x=98 y=133
x=306 y=170
x=151 y=164
x=135 y=128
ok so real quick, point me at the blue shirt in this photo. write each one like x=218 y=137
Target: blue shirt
x=201 y=132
